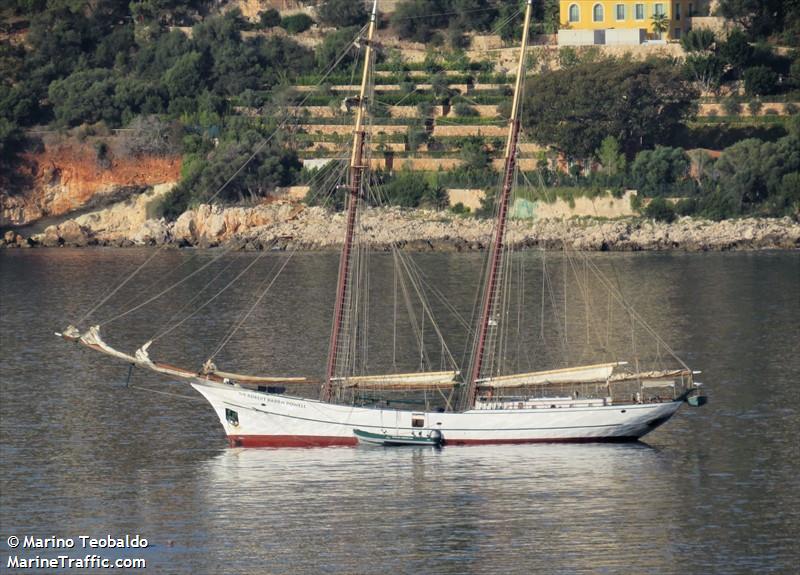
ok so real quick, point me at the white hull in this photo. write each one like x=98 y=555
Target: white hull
x=257 y=419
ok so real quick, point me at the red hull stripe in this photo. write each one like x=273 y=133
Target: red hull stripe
x=331 y=441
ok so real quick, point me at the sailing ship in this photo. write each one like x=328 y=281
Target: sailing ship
x=609 y=401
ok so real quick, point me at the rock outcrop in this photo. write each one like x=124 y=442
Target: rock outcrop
x=285 y=225
x=65 y=176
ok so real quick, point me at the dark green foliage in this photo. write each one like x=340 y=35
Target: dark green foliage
x=760 y=80
x=465 y=110
x=341 y=13
x=297 y=23
x=764 y=18
x=474 y=154
x=186 y=77
x=655 y=172
x=269 y=18
x=416 y=137
x=700 y=40
x=85 y=97
x=411 y=189
x=705 y=69
x=419 y=20
x=736 y=51
x=752 y=172
x=335 y=45
x=205 y=174
x=11 y=142
x=732 y=106
x=661 y=210
x=639 y=103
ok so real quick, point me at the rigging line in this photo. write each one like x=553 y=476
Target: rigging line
x=426 y=309
x=167 y=393
x=283 y=123
x=215 y=296
x=261 y=146
x=255 y=304
x=169 y=289
x=195 y=298
x=116 y=289
x=434 y=14
x=412 y=317
x=634 y=314
x=442 y=298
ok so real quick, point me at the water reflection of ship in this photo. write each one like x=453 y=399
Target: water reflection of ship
x=459 y=507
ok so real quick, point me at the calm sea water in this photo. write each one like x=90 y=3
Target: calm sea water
x=716 y=490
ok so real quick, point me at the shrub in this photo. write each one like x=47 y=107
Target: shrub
x=732 y=106
x=771 y=112
x=790 y=108
x=269 y=18
x=659 y=209
x=686 y=207
x=297 y=23
x=460 y=209
x=760 y=80
x=755 y=107
x=465 y=110
x=342 y=13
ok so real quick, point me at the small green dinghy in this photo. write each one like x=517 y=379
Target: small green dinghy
x=434 y=439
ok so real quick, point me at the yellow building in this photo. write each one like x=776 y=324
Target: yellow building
x=627 y=15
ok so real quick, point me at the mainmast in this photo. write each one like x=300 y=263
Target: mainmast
x=354 y=193
x=491 y=288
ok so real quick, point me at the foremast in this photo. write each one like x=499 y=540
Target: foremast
x=357 y=168
x=491 y=287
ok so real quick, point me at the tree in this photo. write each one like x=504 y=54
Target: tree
x=342 y=13
x=761 y=18
x=752 y=171
x=760 y=80
x=186 y=77
x=610 y=156
x=474 y=154
x=699 y=40
x=203 y=176
x=336 y=44
x=410 y=189
x=638 y=103
x=660 y=24
x=655 y=172
x=418 y=20
x=736 y=51
x=706 y=70
x=297 y=23
x=85 y=97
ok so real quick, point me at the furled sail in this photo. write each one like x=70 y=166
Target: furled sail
x=405 y=381
x=582 y=374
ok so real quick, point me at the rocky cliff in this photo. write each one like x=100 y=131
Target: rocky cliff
x=64 y=176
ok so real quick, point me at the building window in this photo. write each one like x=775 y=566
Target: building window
x=639 y=10
x=620 y=11
x=691 y=10
x=658 y=9
x=677 y=34
x=677 y=11
x=574 y=13
x=597 y=13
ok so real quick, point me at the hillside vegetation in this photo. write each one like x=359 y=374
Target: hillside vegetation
x=199 y=80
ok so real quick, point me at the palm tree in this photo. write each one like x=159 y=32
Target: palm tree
x=660 y=24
